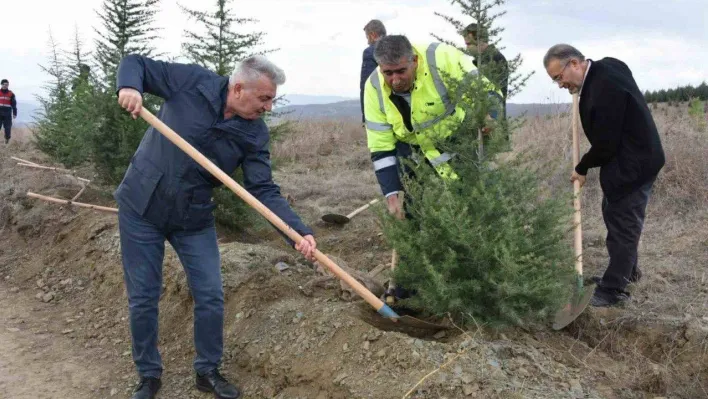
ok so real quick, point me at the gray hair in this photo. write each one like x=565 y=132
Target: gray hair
x=390 y=49
x=253 y=68
x=562 y=52
x=376 y=27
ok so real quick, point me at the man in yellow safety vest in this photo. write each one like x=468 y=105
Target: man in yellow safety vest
x=407 y=107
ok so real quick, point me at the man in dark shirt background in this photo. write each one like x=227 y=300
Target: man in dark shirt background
x=494 y=64
x=374 y=31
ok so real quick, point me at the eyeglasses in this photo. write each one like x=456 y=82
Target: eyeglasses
x=558 y=77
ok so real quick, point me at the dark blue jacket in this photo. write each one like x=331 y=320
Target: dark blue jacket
x=162 y=183
x=368 y=65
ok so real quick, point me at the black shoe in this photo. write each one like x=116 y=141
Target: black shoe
x=603 y=298
x=636 y=276
x=147 y=388
x=215 y=383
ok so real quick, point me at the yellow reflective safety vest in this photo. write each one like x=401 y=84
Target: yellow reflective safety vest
x=433 y=114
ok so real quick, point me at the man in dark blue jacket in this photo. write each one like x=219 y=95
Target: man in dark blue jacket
x=165 y=195
x=624 y=144
x=374 y=31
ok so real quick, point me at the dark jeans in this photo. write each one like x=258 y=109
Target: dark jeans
x=624 y=219
x=6 y=121
x=143 y=250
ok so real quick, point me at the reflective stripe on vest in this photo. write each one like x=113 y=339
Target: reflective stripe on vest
x=377 y=85
x=384 y=163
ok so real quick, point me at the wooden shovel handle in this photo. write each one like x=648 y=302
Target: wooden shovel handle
x=362 y=208
x=176 y=139
x=577 y=218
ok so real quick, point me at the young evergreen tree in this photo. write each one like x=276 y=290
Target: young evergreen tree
x=220 y=46
x=491 y=245
x=127 y=28
x=53 y=124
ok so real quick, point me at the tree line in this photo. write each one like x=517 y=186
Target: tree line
x=681 y=93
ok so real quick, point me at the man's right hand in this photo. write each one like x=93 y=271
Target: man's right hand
x=131 y=100
x=394 y=206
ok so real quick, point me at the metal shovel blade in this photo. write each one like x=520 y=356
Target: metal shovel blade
x=405 y=324
x=580 y=300
x=335 y=218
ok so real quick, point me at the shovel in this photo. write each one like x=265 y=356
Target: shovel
x=583 y=294
x=384 y=310
x=336 y=218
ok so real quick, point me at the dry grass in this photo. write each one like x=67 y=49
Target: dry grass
x=325 y=166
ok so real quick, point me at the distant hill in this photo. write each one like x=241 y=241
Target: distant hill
x=306 y=99
x=351 y=109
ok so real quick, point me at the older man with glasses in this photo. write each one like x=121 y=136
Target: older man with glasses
x=625 y=145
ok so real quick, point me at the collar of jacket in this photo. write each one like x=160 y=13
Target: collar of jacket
x=215 y=91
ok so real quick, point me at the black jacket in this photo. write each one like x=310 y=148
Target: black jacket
x=624 y=141
x=368 y=65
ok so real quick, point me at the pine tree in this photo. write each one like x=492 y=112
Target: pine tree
x=127 y=28
x=50 y=133
x=491 y=245
x=221 y=46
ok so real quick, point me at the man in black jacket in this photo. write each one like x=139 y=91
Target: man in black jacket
x=625 y=145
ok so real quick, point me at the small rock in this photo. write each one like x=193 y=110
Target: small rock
x=439 y=335
x=366 y=345
x=13 y=329
x=576 y=389
x=381 y=353
x=40 y=283
x=281 y=266
x=14 y=290
x=469 y=389
x=68 y=281
x=68 y=331
x=126 y=353
x=345 y=347
x=466 y=378
x=114 y=391
x=494 y=363
x=339 y=378
x=48 y=297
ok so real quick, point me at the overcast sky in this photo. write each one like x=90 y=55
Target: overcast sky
x=320 y=41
